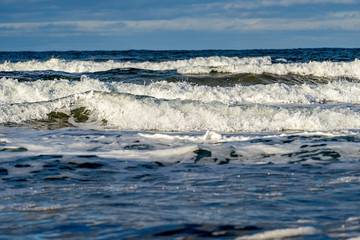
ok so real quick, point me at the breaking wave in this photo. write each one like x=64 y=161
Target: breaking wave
x=199 y=65
x=14 y=91
x=135 y=112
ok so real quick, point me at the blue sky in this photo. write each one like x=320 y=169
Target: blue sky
x=172 y=24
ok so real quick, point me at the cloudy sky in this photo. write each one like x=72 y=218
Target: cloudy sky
x=173 y=24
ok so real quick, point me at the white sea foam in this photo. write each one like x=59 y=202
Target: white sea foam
x=134 y=112
x=282 y=233
x=339 y=91
x=17 y=113
x=200 y=65
x=13 y=91
x=208 y=137
x=165 y=155
x=185 y=107
x=318 y=69
x=77 y=66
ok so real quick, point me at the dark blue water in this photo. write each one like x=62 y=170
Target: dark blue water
x=294 y=55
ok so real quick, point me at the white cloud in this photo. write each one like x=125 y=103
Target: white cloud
x=298 y=2
x=251 y=24
x=273 y=3
x=80 y=25
x=346 y=21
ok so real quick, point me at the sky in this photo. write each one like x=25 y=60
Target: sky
x=41 y=25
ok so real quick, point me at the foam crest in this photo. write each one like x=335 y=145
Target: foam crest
x=21 y=112
x=319 y=69
x=59 y=65
x=339 y=91
x=184 y=107
x=131 y=112
x=200 y=65
x=77 y=66
x=13 y=91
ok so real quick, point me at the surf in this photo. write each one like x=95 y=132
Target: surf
x=196 y=66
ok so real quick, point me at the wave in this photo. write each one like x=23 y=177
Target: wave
x=182 y=107
x=77 y=66
x=14 y=91
x=125 y=111
x=200 y=65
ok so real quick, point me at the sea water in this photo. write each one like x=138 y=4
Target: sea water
x=214 y=144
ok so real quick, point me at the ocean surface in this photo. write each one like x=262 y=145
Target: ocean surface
x=213 y=144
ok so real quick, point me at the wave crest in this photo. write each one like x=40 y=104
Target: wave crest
x=13 y=91
x=125 y=111
x=200 y=65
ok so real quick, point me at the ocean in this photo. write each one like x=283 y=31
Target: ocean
x=212 y=144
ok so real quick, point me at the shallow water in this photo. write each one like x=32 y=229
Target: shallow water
x=160 y=154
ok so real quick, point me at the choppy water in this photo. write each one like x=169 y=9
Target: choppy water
x=256 y=144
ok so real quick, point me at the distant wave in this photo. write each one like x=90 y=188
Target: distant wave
x=76 y=66
x=200 y=65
